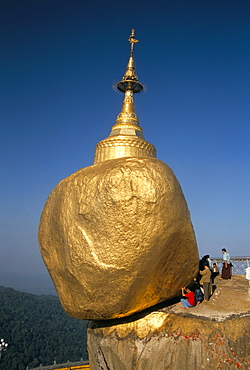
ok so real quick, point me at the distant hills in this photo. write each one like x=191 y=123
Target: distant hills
x=29 y=282
x=38 y=331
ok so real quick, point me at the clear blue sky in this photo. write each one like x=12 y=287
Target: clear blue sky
x=58 y=62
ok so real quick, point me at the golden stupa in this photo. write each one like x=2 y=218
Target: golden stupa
x=126 y=137
x=116 y=236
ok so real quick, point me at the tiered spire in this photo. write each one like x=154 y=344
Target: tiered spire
x=130 y=80
x=126 y=137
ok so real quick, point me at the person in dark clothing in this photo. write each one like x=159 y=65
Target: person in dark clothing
x=205 y=261
x=197 y=292
x=215 y=272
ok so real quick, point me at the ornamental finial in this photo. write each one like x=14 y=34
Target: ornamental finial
x=132 y=40
x=130 y=80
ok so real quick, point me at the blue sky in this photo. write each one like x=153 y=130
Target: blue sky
x=58 y=62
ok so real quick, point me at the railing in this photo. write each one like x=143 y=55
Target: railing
x=239 y=264
x=74 y=367
x=82 y=365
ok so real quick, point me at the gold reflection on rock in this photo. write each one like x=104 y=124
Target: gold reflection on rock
x=116 y=237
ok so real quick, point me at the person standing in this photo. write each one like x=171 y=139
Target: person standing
x=226 y=268
x=209 y=261
x=205 y=261
x=205 y=281
x=215 y=272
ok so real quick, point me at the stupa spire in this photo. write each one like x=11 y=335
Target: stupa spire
x=126 y=137
x=130 y=80
x=129 y=85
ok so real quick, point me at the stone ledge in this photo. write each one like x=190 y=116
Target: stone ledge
x=213 y=335
x=230 y=299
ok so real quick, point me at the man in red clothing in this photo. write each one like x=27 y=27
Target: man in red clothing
x=190 y=301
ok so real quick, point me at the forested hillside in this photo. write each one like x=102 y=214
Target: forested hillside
x=38 y=331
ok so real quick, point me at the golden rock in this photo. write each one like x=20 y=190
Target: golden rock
x=117 y=237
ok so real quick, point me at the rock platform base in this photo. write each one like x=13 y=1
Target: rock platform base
x=212 y=335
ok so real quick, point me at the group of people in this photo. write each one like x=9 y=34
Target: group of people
x=202 y=286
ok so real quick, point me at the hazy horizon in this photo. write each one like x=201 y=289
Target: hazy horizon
x=35 y=284
x=42 y=283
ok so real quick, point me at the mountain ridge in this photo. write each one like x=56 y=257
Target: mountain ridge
x=38 y=331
